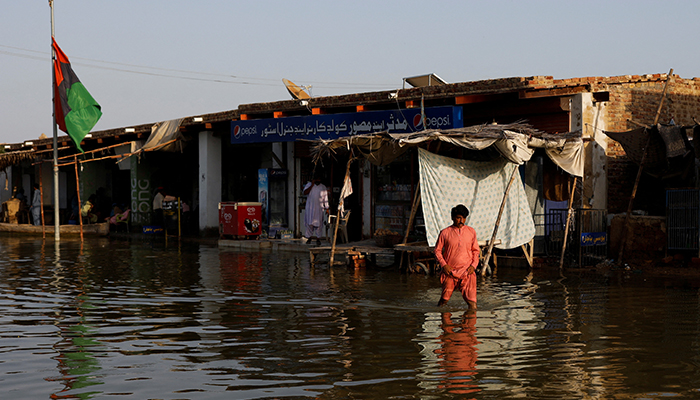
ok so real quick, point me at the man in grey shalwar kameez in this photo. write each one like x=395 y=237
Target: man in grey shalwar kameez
x=316 y=209
x=36 y=205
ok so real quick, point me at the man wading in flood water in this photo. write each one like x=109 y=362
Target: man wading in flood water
x=457 y=252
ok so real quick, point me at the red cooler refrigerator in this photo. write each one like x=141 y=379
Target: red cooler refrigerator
x=240 y=219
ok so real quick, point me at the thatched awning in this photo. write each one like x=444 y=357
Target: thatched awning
x=16 y=158
x=515 y=142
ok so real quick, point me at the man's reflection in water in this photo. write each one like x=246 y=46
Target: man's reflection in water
x=458 y=353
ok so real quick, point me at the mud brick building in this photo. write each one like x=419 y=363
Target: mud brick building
x=220 y=163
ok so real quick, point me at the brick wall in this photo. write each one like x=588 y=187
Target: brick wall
x=637 y=99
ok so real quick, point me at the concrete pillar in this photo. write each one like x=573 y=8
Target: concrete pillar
x=292 y=187
x=589 y=116
x=141 y=193
x=209 y=180
x=278 y=150
x=298 y=221
x=366 y=173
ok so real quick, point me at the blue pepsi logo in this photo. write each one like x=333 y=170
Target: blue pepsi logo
x=418 y=121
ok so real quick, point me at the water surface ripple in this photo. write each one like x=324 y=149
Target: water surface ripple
x=108 y=318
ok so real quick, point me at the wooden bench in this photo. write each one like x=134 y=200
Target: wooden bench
x=420 y=257
x=369 y=252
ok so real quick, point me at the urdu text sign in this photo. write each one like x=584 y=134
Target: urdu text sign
x=333 y=126
x=594 y=239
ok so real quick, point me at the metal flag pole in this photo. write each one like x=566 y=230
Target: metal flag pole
x=56 y=220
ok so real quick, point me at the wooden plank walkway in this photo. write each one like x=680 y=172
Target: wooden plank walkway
x=367 y=248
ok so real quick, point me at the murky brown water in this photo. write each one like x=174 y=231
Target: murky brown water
x=112 y=319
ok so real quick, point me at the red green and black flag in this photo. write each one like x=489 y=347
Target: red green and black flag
x=76 y=111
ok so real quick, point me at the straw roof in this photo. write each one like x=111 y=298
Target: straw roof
x=15 y=158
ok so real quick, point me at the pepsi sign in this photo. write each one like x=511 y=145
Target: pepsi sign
x=332 y=126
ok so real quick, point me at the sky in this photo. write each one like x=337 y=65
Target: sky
x=146 y=61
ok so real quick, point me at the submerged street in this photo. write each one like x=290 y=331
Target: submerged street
x=112 y=318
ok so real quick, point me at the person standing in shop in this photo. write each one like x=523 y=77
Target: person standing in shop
x=158 y=206
x=36 y=205
x=316 y=209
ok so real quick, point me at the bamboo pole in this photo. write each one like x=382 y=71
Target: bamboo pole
x=528 y=251
x=568 y=222
x=80 y=211
x=625 y=227
x=41 y=204
x=121 y=157
x=337 y=218
x=50 y=150
x=93 y=151
x=335 y=236
x=414 y=210
x=127 y=155
x=486 y=268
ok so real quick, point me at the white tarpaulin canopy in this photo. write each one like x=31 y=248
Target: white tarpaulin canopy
x=516 y=147
x=515 y=142
x=162 y=133
x=479 y=185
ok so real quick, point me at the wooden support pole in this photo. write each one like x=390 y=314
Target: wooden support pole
x=80 y=209
x=625 y=227
x=335 y=236
x=41 y=203
x=568 y=222
x=93 y=151
x=414 y=210
x=486 y=268
x=663 y=97
x=337 y=218
x=527 y=250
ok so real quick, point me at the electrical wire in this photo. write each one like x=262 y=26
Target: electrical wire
x=243 y=81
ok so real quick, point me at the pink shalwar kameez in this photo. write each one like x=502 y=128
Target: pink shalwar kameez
x=458 y=248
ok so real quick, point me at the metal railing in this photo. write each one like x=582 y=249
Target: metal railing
x=683 y=219
x=591 y=234
x=587 y=240
x=549 y=232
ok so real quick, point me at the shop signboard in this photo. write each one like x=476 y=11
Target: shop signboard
x=594 y=239
x=333 y=126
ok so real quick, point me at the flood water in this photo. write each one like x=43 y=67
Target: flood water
x=115 y=319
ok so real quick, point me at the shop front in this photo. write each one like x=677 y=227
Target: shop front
x=382 y=196
x=395 y=186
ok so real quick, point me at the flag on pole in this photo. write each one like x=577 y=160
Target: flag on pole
x=75 y=109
